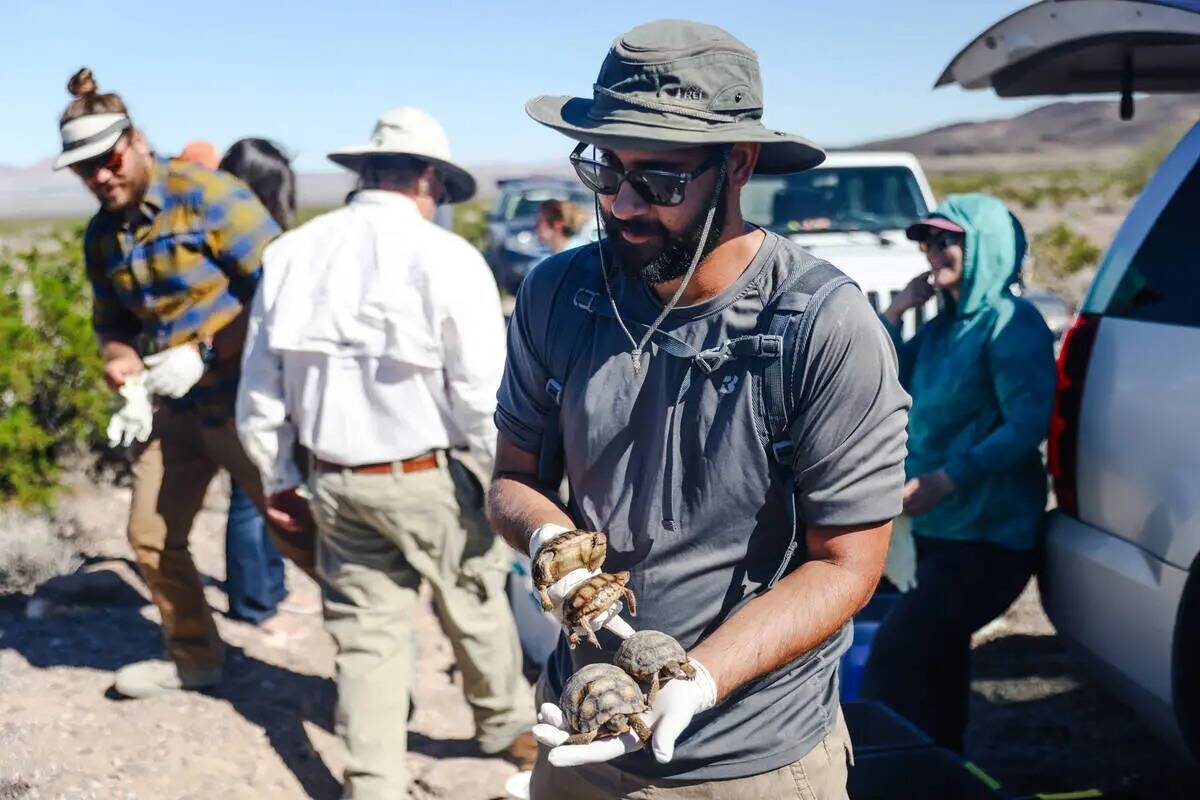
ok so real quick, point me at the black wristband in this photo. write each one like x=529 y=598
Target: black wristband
x=208 y=354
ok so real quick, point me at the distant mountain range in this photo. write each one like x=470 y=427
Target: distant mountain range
x=1078 y=129
x=1075 y=126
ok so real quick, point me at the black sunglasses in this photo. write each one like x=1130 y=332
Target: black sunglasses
x=660 y=187
x=940 y=241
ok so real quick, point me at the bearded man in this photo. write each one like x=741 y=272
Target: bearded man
x=725 y=407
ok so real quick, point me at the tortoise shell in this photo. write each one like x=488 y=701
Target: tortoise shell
x=572 y=550
x=597 y=693
x=648 y=653
x=595 y=595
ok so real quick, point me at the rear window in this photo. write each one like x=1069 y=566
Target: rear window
x=1162 y=283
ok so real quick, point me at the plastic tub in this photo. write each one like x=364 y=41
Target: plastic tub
x=866 y=622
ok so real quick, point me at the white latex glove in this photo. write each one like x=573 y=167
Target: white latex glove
x=901 y=565
x=561 y=589
x=135 y=420
x=677 y=703
x=175 y=371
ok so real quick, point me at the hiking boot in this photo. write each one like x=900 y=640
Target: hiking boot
x=154 y=678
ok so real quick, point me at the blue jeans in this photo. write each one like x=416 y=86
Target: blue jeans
x=253 y=567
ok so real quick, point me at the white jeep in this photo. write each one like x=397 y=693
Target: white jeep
x=852 y=211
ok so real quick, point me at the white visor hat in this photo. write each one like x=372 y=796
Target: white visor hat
x=89 y=136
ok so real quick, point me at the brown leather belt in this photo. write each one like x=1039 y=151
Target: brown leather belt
x=414 y=464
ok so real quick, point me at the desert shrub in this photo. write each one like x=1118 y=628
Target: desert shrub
x=52 y=397
x=470 y=222
x=1059 y=251
x=1023 y=189
x=32 y=550
x=1137 y=170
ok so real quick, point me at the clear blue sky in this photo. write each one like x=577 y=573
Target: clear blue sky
x=315 y=75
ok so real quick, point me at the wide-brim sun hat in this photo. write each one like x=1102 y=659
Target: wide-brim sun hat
x=89 y=136
x=411 y=132
x=671 y=84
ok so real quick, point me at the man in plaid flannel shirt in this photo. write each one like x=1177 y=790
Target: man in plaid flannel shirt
x=174 y=257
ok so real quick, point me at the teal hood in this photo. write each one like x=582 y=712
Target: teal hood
x=981 y=376
x=993 y=251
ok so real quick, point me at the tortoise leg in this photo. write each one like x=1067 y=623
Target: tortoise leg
x=546 y=604
x=639 y=727
x=632 y=600
x=591 y=634
x=688 y=670
x=654 y=686
x=582 y=738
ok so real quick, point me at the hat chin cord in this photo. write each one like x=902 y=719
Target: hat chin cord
x=640 y=346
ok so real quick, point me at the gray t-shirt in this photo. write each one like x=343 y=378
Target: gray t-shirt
x=702 y=547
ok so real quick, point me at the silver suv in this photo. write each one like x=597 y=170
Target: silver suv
x=1121 y=579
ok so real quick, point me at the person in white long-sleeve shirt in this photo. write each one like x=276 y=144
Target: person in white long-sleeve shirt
x=376 y=342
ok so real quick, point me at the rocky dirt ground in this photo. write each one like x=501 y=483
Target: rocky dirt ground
x=1039 y=723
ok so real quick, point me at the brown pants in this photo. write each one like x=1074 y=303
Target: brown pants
x=171 y=474
x=818 y=775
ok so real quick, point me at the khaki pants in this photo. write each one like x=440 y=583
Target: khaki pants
x=819 y=775
x=171 y=474
x=379 y=537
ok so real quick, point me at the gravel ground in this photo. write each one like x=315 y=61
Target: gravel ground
x=1038 y=722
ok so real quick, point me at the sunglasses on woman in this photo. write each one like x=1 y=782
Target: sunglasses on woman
x=940 y=241
x=659 y=187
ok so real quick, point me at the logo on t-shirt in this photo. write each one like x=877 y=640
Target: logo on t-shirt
x=729 y=385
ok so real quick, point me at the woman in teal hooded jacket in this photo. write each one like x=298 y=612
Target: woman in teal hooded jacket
x=981 y=375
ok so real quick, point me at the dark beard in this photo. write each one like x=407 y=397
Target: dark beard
x=669 y=261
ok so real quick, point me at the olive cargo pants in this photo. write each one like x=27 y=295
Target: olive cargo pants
x=171 y=474
x=379 y=537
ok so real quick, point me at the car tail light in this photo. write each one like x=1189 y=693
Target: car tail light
x=1063 y=440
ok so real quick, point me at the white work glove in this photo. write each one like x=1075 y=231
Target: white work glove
x=901 y=565
x=561 y=589
x=677 y=703
x=135 y=420
x=175 y=371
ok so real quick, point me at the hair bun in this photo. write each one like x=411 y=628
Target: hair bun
x=82 y=83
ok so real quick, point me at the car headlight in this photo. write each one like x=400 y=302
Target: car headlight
x=524 y=242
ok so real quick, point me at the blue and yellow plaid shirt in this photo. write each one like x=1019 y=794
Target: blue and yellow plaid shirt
x=180 y=271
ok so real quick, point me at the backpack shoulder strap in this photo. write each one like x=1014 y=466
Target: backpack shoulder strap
x=790 y=314
x=573 y=301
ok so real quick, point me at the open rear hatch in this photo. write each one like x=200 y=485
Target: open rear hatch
x=1058 y=47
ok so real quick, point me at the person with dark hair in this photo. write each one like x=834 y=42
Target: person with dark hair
x=376 y=343
x=725 y=407
x=174 y=256
x=265 y=169
x=558 y=224
x=254 y=573
x=981 y=375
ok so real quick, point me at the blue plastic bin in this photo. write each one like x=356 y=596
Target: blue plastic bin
x=875 y=728
x=866 y=622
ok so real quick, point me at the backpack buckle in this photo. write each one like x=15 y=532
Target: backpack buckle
x=554 y=389
x=584 y=299
x=783 y=450
x=713 y=359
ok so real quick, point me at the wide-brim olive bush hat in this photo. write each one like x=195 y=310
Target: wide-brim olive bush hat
x=672 y=84
x=411 y=132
